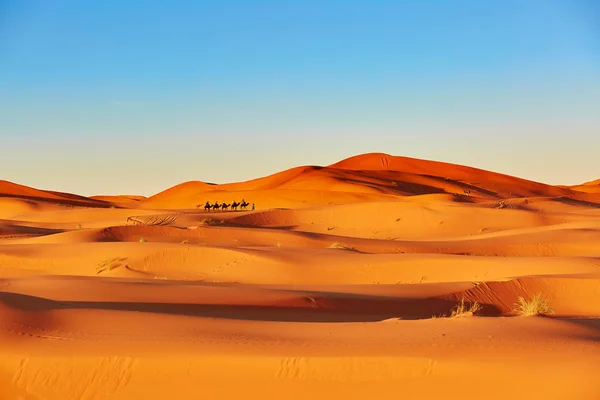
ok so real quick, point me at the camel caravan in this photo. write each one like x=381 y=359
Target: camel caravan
x=224 y=206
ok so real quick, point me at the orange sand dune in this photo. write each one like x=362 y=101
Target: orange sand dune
x=340 y=284
x=588 y=187
x=118 y=199
x=13 y=190
x=375 y=176
x=168 y=337
x=502 y=185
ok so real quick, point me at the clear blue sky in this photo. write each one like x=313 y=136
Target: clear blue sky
x=113 y=96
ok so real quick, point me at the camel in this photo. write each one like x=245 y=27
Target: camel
x=224 y=206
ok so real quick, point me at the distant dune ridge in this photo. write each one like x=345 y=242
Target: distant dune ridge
x=372 y=173
x=374 y=277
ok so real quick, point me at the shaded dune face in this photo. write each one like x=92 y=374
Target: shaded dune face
x=346 y=281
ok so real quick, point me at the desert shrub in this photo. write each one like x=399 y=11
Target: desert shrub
x=463 y=309
x=538 y=305
x=337 y=245
x=142 y=240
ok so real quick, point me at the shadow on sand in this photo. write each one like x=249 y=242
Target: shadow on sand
x=320 y=307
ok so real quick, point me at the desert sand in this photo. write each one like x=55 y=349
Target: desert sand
x=340 y=284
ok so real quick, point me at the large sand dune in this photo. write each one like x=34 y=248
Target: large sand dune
x=340 y=284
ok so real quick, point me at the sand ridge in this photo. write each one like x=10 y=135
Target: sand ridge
x=341 y=283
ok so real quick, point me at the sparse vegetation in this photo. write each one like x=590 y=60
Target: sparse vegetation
x=110 y=264
x=210 y=221
x=337 y=245
x=142 y=240
x=463 y=309
x=78 y=226
x=185 y=241
x=538 y=305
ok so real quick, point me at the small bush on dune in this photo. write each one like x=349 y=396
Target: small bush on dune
x=538 y=305
x=337 y=245
x=208 y=221
x=142 y=240
x=464 y=310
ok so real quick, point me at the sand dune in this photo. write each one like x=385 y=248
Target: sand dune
x=341 y=283
x=123 y=199
x=588 y=187
x=366 y=178
x=13 y=190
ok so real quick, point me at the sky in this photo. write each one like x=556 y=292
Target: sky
x=132 y=97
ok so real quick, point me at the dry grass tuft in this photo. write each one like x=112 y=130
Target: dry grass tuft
x=337 y=245
x=463 y=309
x=209 y=221
x=538 y=305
